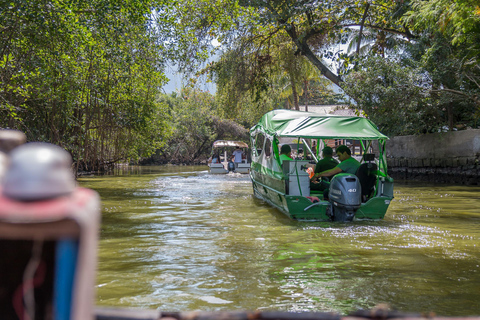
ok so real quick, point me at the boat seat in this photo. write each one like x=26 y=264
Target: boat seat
x=367 y=175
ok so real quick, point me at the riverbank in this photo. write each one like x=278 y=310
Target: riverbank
x=445 y=157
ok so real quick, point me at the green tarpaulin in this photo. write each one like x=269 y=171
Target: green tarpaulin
x=309 y=125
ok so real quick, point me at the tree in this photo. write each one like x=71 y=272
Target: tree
x=290 y=74
x=197 y=126
x=245 y=79
x=395 y=97
x=449 y=51
x=83 y=75
x=251 y=32
x=458 y=20
x=311 y=25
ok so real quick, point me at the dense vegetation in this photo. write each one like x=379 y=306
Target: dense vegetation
x=412 y=66
x=88 y=75
x=83 y=75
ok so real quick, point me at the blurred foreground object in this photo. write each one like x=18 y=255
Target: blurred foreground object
x=48 y=237
x=38 y=171
x=9 y=139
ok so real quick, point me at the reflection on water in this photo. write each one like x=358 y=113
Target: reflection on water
x=180 y=239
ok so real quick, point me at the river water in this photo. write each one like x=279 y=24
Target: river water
x=180 y=239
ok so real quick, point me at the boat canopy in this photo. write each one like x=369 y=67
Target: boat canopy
x=310 y=125
x=302 y=125
x=227 y=143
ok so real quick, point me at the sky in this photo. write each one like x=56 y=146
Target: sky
x=175 y=83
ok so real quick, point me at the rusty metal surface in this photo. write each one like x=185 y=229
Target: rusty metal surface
x=374 y=314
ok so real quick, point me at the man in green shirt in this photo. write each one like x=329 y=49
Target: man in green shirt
x=327 y=162
x=285 y=153
x=324 y=164
x=348 y=164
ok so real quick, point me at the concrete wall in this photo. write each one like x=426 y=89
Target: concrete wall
x=452 y=157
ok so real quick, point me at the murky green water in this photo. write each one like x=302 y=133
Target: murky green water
x=180 y=239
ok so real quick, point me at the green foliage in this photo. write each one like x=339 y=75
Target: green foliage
x=416 y=95
x=244 y=80
x=393 y=96
x=196 y=126
x=458 y=20
x=428 y=89
x=83 y=75
x=87 y=75
x=193 y=25
x=450 y=52
x=253 y=79
x=268 y=42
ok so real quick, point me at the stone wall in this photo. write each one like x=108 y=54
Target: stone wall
x=451 y=157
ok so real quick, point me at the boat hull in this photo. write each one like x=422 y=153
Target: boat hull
x=301 y=208
x=219 y=168
x=242 y=168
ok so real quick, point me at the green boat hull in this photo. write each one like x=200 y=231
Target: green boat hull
x=302 y=208
x=284 y=182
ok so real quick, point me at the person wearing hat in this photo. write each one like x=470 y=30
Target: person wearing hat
x=324 y=164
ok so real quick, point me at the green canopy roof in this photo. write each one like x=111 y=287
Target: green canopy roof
x=310 y=125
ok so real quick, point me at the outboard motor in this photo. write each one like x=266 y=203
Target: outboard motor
x=345 y=196
x=231 y=166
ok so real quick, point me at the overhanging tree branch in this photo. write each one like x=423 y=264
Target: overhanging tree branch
x=305 y=50
x=361 y=28
x=473 y=97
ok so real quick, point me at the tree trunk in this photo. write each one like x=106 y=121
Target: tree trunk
x=306 y=94
x=305 y=50
x=361 y=29
x=450 y=116
x=295 y=96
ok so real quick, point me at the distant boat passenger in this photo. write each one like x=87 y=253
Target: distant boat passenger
x=238 y=153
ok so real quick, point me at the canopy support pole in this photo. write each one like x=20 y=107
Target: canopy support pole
x=310 y=150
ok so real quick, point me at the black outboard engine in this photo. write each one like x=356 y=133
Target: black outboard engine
x=345 y=196
x=231 y=166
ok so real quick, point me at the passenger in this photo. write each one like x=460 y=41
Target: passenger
x=347 y=164
x=249 y=156
x=324 y=164
x=238 y=153
x=285 y=153
x=216 y=158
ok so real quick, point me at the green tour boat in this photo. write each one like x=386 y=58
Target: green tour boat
x=286 y=184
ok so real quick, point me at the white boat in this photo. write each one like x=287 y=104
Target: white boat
x=224 y=149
